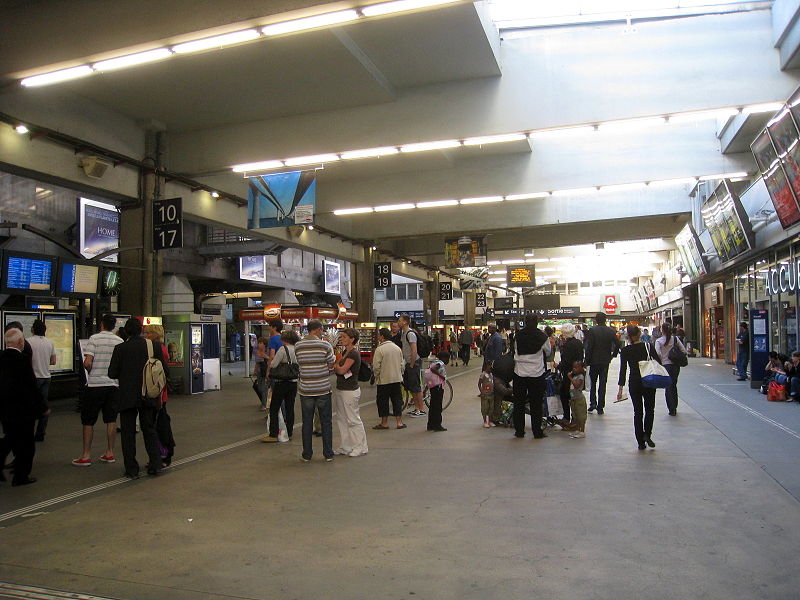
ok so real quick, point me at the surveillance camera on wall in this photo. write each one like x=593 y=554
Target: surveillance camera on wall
x=94 y=166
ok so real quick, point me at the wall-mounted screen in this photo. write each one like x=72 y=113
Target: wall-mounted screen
x=281 y=199
x=27 y=273
x=61 y=331
x=98 y=228
x=691 y=252
x=253 y=268
x=77 y=279
x=110 y=282
x=331 y=277
x=727 y=223
x=503 y=303
x=521 y=276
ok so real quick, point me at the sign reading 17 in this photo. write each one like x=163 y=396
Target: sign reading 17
x=168 y=224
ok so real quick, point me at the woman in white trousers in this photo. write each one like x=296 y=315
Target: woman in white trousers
x=346 y=396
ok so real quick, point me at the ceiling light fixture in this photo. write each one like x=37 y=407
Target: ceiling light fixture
x=310 y=160
x=332 y=18
x=425 y=146
x=21 y=129
x=352 y=211
x=217 y=41
x=437 y=203
x=264 y=165
x=388 y=207
x=621 y=187
x=575 y=191
x=369 y=153
x=311 y=228
x=215 y=194
x=485 y=200
x=628 y=124
x=131 y=60
x=562 y=132
x=702 y=115
x=530 y=196
x=57 y=76
x=387 y=8
x=765 y=107
x=723 y=176
x=678 y=181
x=495 y=139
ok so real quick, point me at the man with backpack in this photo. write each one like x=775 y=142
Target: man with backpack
x=412 y=372
x=129 y=361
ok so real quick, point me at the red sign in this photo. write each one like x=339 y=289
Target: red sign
x=610 y=305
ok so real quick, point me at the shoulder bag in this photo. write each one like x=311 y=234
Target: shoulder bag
x=285 y=371
x=677 y=356
x=654 y=375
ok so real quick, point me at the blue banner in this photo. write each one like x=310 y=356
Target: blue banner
x=281 y=199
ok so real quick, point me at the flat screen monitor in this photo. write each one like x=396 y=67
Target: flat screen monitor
x=332 y=277
x=61 y=331
x=24 y=318
x=98 y=228
x=75 y=279
x=503 y=303
x=28 y=274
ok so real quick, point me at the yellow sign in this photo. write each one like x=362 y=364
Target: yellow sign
x=520 y=276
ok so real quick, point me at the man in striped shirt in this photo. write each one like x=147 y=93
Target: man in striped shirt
x=315 y=358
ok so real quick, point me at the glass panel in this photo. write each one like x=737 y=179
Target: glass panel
x=390 y=292
x=400 y=291
x=411 y=291
x=380 y=295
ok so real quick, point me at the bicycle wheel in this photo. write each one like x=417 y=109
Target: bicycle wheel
x=447 y=398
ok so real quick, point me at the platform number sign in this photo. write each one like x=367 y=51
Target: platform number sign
x=480 y=300
x=383 y=275
x=445 y=290
x=168 y=224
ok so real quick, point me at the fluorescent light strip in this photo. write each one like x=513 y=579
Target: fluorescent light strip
x=258 y=166
x=369 y=153
x=628 y=124
x=353 y=211
x=528 y=196
x=311 y=160
x=495 y=139
x=333 y=18
x=57 y=76
x=217 y=41
x=575 y=191
x=668 y=182
x=131 y=60
x=562 y=132
x=425 y=146
x=703 y=115
x=762 y=108
x=492 y=263
x=621 y=187
x=436 y=203
x=388 y=207
x=723 y=176
x=387 y=8
x=496 y=279
x=485 y=200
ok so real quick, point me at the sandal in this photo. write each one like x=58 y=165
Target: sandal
x=379 y=426
x=403 y=426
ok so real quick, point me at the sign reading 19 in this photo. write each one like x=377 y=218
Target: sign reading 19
x=168 y=224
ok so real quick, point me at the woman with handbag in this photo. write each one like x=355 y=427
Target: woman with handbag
x=672 y=353
x=643 y=398
x=284 y=372
x=346 y=396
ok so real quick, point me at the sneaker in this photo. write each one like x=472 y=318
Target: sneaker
x=108 y=458
x=577 y=435
x=417 y=413
x=269 y=440
x=329 y=459
x=354 y=454
x=82 y=462
x=304 y=459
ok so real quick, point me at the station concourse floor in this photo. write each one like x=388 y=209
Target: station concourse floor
x=712 y=512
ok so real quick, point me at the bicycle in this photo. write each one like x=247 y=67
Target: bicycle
x=408 y=401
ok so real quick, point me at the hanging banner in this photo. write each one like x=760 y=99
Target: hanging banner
x=465 y=251
x=274 y=200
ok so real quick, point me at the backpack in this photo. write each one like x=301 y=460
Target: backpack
x=677 y=356
x=154 y=380
x=364 y=371
x=424 y=345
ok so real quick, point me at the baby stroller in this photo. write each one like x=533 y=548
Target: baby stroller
x=549 y=414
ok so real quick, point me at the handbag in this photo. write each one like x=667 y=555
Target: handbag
x=776 y=392
x=677 y=356
x=654 y=375
x=285 y=371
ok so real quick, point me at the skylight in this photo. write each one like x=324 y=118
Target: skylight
x=511 y=14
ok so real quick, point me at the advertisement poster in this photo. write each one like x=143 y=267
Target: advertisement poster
x=272 y=200
x=691 y=252
x=253 y=268
x=98 y=228
x=465 y=251
x=782 y=197
x=332 y=277
x=763 y=152
x=474 y=278
x=722 y=216
x=61 y=331
x=175 y=345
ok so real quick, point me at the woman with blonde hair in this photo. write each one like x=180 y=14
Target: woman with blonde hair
x=166 y=441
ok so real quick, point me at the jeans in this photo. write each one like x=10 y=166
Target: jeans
x=283 y=394
x=742 y=359
x=644 y=403
x=261 y=382
x=43 y=383
x=597 y=394
x=322 y=404
x=147 y=421
x=672 y=389
x=793 y=383
x=528 y=390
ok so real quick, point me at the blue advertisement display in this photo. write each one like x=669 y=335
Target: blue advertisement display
x=281 y=199
x=98 y=228
x=759 y=345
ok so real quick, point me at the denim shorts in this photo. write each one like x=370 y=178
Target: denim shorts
x=411 y=377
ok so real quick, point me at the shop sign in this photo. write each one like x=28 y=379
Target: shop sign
x=784 y=278
x=611 y=304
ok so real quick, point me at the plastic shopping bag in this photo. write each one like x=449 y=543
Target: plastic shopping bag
x=283 y=435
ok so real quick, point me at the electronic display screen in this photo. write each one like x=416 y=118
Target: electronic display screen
x=777 y=151
x=23 y=274
x=78 y=279
x=25 y=319
x=61 y=331
x=521 y=276
x=722 y=214
x=110 y=283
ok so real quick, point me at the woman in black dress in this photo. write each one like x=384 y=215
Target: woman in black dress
x=642 y=398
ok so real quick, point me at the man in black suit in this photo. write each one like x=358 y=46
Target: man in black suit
x=127 y=363
x=601 y=347
x=20 y=405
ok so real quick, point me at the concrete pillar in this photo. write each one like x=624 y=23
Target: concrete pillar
x=430 y=300
x=178 y=296
x=469 y=308
x=362 y=291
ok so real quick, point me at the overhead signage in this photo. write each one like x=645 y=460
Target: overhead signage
x=465 y=251
x=168 y=224
x=521 y=276
x=783 y=277
x=480 y=300
x=611 y=304
x=565 y=312
x=504 y=302
x=512 y=312
x=415 y=315
x=383 y=275
x=274 y=200
x=445 y=290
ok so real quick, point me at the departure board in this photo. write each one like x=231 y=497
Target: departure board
x=61 y=331
x=78 y=279
x=520 y=276
x=28 y=273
